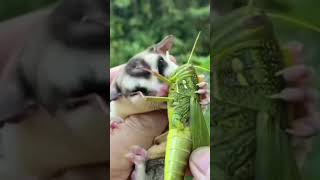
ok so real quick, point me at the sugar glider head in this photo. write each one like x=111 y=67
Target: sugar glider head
x=135 y=78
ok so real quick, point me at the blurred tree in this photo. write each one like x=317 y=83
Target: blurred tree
x=138 y=24
x=12 y=8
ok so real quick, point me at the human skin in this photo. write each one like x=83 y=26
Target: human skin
x=137 y=129
x=199 y=163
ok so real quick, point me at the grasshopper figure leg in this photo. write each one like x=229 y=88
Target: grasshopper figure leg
x=158 y=150
x=156 y=99
x=149 y=103
x=161 y=138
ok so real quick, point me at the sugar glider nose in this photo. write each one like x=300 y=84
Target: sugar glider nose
x=164 y=90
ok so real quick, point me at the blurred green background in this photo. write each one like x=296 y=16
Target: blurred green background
x=137 y=24
x=308 y=11
x=12 y=8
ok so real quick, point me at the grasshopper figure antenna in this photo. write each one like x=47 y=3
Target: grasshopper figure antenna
x=194 y=46
x=290 y=19
x=295 y=21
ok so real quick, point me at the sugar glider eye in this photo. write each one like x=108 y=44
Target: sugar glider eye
x=162 y=65
x=161 y=59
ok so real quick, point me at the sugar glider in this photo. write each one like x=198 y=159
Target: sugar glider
x=136 y=80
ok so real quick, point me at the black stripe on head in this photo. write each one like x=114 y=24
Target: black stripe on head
x=116 y=94
x=118 y=89
x=134 y=68
x=143 y=90
x=162 y=65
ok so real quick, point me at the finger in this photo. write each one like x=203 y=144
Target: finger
x=290 y=95
x=201 y=77
x=202 y=91
x=199 y=163
x=115 y=71
x=297 y=94
x=303 y=127
x=205 y=102
x=296 y=73
x=202 y=84
x=301 y=149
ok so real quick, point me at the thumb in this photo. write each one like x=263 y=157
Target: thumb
x=199 y=163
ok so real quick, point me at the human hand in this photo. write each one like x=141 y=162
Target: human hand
x=302 y=97
x=199 y=163
x=138 y=129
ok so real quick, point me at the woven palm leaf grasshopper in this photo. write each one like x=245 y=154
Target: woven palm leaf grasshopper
x=188 y=129
x=249 y=125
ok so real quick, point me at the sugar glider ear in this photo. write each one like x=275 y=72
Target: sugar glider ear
x=13 y=103
x=164 y=45
x=115 y=91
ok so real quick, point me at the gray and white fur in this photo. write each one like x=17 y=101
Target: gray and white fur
x=53 y=94
x=133 y=79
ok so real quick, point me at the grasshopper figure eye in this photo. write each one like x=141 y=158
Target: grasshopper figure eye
x=237 y=67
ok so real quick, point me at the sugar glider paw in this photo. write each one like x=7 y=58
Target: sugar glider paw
x=138 y=156
x=115 y=121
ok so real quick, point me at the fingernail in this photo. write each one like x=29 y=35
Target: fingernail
x=201 y=159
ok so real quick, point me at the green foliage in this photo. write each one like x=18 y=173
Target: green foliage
x=12 y=8
x=135 y=25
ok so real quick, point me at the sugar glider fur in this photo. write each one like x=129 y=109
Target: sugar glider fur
x=134 y=82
